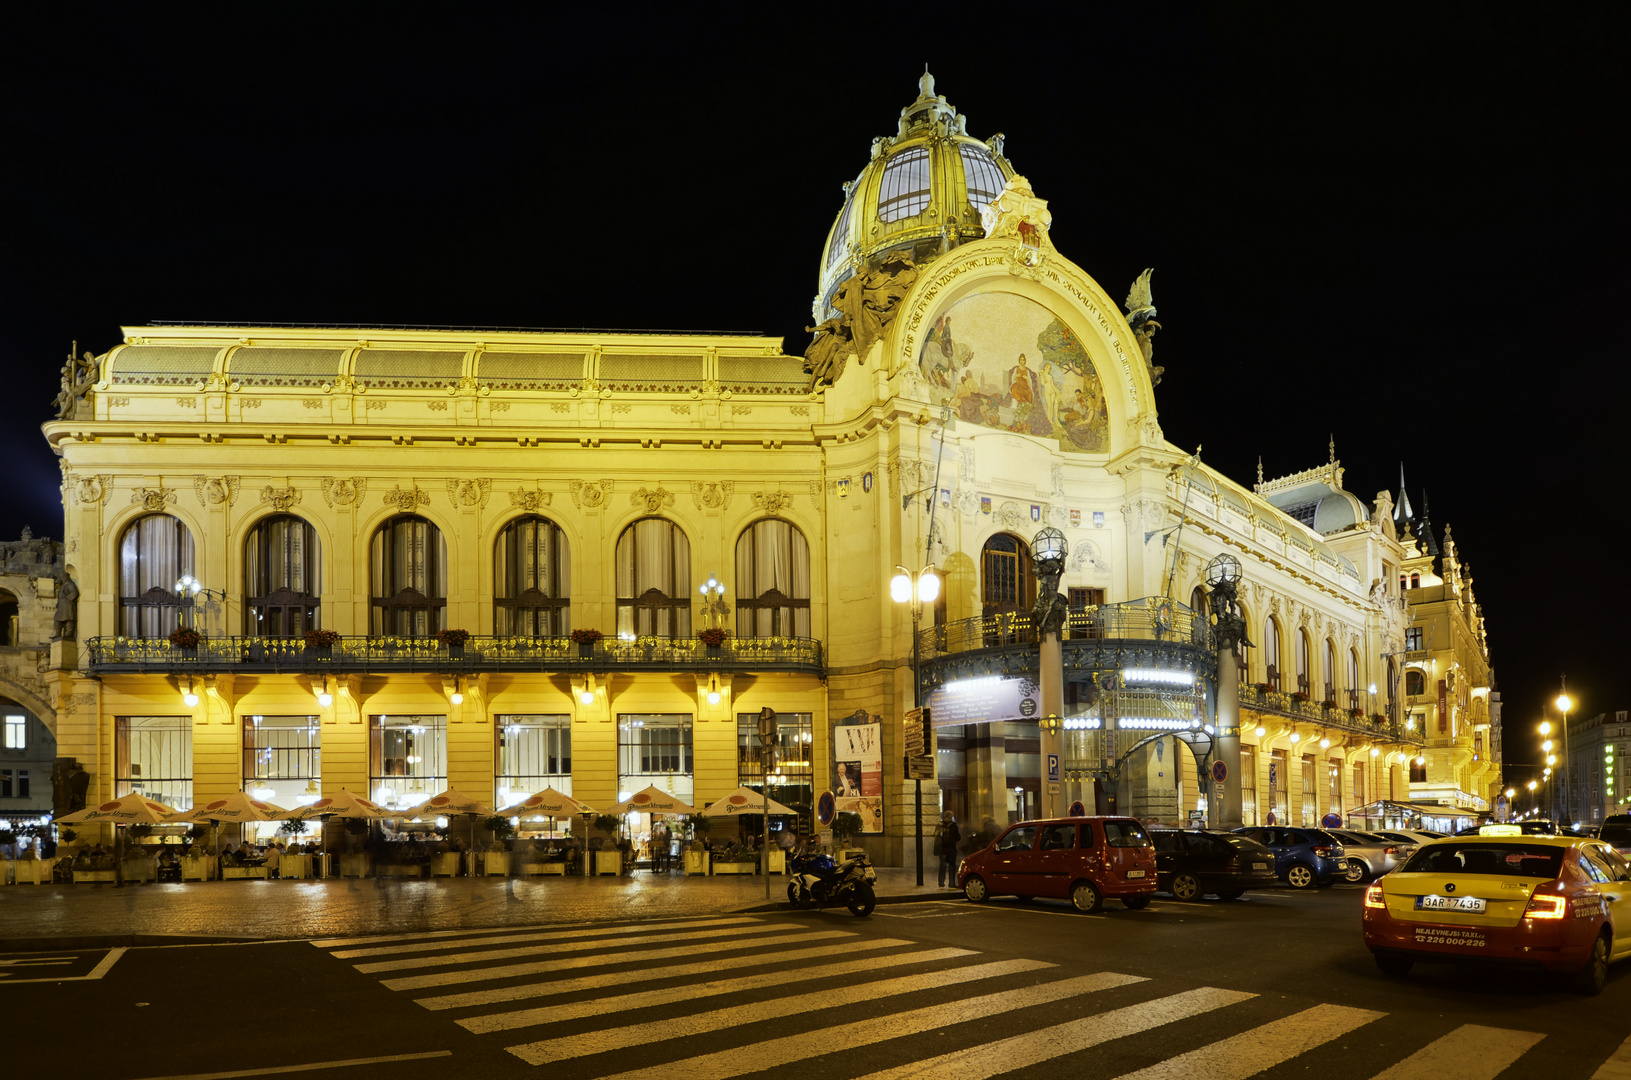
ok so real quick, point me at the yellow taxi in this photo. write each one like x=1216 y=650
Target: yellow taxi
x=1562 y=903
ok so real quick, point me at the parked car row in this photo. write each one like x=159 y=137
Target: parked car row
x=1091 y=859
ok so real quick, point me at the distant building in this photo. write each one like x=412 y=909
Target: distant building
x=1597 y=745
x=28 y=569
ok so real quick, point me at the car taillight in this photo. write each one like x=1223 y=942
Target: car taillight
x=1231 y=863
x=1373 y=897
x=1323 y=852
x=1546 y=907
x=1391 y=850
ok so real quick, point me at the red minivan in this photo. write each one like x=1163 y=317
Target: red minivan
x=1087 y=859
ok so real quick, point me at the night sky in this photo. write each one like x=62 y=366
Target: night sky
x=1405 y=230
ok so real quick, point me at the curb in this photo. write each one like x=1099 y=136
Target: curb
x=898 y=898
x=118 y=941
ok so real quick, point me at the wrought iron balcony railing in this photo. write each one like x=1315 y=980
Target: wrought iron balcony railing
x=1341 y=718
x=1152 y=619
x=260 y=655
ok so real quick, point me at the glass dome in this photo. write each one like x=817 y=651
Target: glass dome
x=923 y=191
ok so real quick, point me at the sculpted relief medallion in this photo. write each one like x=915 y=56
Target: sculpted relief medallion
x=343 y=491
x=530 y=501
x=216 y=492
x=590 y=495
x=469 y=492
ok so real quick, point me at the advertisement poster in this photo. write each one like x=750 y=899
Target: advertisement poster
x=858 y=773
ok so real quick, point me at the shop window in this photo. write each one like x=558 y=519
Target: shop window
x=1279 y=787
x=1007 y=582
x=281 y=755
x=282 y=578
x=1310 y=793
x=1333 y=786
x=408 y=578
x=654 y=750
x=653 y=581
x=792 y=780
x=1248 y=785
x=532 y=580
x=772 y=581
x=1361 y=792
x=407 y=758
x=153 y=755
x=154 y=553
x=534 y=753
x=16 y=733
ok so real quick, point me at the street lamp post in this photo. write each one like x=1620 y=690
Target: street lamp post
x=1564 y=704
x=1048 y=552
x=916 y=590
x=1223 y=579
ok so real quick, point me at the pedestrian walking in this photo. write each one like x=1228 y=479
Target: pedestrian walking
x=946 y=838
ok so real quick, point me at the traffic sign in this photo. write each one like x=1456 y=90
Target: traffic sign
x=1220 y=771
x=914 y=732
x=919 y=768
x=1053 y=768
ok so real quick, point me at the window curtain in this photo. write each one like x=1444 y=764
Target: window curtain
x=154 y=552
x=773 y=555
x=530 y=555
x=653 y=554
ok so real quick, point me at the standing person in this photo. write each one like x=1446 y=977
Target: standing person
x=947 y=837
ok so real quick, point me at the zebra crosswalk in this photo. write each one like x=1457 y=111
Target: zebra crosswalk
x=712 y=998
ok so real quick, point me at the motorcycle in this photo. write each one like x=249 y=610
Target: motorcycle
x=820 y=882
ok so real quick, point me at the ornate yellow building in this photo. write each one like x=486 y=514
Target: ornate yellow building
x=968 y=386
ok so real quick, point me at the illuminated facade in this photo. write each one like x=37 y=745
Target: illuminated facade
x=968 y=386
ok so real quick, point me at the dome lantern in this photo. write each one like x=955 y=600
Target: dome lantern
x=922 y=193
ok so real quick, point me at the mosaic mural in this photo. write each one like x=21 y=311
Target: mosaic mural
x=1003 y=361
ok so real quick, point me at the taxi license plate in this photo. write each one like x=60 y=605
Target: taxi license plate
x=1450 y=903
x=1135 y=873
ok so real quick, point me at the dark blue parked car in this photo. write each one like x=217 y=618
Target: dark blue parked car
x=1303 y=858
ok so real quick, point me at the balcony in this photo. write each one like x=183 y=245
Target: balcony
x=393 y=655
x=1338 y=718
x=1148 y=633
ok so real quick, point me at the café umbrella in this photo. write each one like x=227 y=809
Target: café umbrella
x=132 y=809
x=343 y=805
x=450 y=803
x=745 y=801
x=238 y=806
x=653 y=800
x=550 y=804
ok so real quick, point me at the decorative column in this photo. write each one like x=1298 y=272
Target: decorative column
x=1048 y=551
x=1229 y=628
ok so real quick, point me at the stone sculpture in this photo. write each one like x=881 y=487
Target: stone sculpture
x=1141 y=317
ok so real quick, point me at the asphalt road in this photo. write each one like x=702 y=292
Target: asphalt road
x=1276 y=985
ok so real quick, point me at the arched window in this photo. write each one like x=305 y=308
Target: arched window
x=532 y=580
x=1271 y=652
x=1392 y=688
x=407 y=573
x=1006 y=580
x=154 y=552
x=283 y=578
x=1353 y=678
x=653 y=580
x=981 y=177
x=772 y=581
x=904 y=190
x=1415 y=683
x=1330 y=670
x=1415 y=581
x=1305 y=663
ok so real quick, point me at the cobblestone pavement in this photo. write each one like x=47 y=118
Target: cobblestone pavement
x=46 y=916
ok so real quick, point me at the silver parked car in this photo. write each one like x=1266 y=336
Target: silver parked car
x=1371 y=855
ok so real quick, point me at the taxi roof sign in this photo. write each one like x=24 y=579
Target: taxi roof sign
x=1500 y=830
